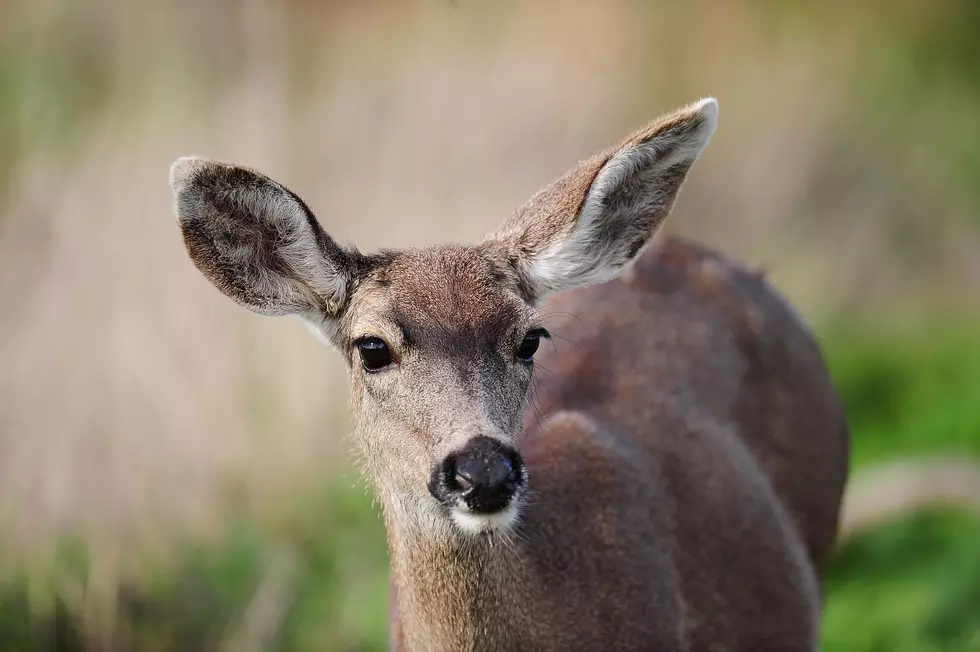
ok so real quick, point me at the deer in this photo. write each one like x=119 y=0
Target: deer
x=666 y=473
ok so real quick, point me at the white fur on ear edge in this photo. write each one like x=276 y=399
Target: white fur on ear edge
x=678 y=139
x=661 y=152
x=183 y=169
x=258 y=221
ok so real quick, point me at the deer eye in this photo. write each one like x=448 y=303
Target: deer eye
x=375 y=355
x=527 y=349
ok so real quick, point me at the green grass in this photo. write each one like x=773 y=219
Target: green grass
x=909 y=393
x=910 y=586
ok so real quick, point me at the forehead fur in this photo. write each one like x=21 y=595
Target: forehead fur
x=448 y=290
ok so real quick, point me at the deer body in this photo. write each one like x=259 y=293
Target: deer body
x=665 y=474
x=688 y=454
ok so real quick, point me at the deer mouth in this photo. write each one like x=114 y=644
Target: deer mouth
x=472 y=522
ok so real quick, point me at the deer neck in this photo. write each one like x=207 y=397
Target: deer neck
x=454 y=592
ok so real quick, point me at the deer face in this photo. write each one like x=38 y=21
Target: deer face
x=440 y=342
x=441 y=349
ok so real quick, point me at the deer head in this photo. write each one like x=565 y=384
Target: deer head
x=440 y=341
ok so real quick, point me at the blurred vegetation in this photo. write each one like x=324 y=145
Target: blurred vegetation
x=913 y=585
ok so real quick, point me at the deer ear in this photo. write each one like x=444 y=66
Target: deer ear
x=589 y=225
x=257 y=242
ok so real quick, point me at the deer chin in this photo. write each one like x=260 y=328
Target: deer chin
x=474 y=523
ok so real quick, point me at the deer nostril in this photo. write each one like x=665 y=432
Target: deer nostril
x=449 y=477
x=462 y=481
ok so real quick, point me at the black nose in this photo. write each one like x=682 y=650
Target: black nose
x=486 y=475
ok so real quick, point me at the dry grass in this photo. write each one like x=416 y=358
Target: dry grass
x=135 y=400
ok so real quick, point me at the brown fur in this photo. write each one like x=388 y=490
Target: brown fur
x=688 y=454
x=685 y=448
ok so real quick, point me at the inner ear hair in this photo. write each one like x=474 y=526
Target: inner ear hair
x=586 y=227
x=258 y=242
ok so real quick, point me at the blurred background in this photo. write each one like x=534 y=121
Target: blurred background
x=174 y=471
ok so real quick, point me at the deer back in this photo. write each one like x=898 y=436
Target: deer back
x=685 y=433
